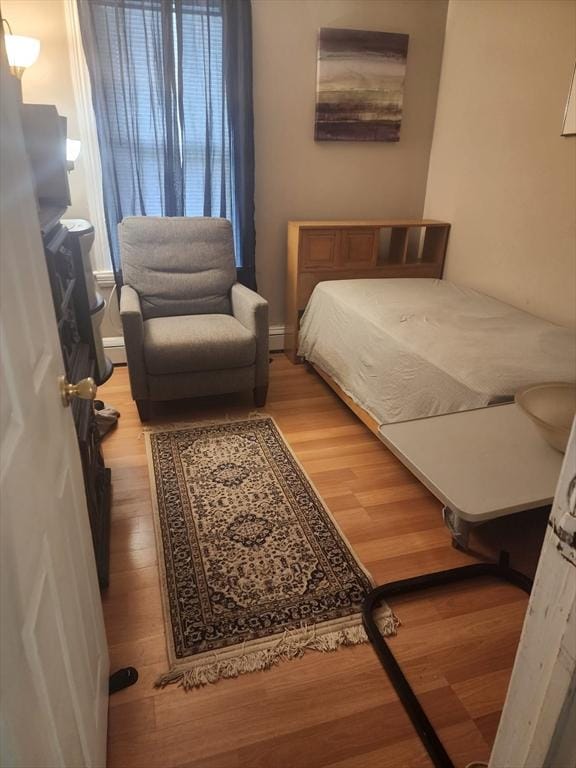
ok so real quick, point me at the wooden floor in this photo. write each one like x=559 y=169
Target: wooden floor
x=334 y=709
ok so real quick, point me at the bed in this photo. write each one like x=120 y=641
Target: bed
x=406 y=348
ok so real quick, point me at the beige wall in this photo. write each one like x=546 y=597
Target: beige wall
x=298 y=178
x=49 y=81
x=499 y=169
x=295 y=176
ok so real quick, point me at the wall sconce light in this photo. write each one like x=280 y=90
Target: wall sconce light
x=72 y=151
x=21 y=51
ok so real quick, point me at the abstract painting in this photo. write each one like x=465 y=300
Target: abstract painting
x=360 y=84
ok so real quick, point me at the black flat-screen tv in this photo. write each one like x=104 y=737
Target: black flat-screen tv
x=45 y=138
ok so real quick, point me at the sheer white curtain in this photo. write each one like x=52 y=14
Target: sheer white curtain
x=101 y=260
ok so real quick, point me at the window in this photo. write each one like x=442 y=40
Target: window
x=160 y=85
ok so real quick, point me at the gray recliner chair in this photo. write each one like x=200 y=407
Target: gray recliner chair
x=189 y=328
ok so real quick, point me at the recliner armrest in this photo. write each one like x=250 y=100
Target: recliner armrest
x=251 y=310
x=130 y=302
x=133 y=327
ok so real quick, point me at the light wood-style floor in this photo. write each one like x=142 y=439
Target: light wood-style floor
x=334 y=709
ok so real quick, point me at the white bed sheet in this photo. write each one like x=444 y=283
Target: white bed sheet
x=408 y=348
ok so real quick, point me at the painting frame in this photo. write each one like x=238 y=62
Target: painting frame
x=360 y=78
x=569 y=122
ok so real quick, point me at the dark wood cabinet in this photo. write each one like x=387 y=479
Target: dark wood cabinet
x=67 y=281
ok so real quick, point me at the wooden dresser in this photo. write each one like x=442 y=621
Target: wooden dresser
x=342 y=250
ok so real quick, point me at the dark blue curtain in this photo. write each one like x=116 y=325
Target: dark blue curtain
x=172 y=93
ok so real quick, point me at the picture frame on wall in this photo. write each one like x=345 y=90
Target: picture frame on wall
x=360 y=85
x=569 y=125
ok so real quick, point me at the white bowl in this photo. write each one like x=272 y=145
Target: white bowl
x=552 y=408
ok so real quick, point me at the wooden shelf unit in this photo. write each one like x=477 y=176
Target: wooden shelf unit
x=343 y=250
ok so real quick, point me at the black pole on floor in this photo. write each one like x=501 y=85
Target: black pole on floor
x=410 y=702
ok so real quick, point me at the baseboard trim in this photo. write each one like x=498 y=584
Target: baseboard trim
x=116 y=351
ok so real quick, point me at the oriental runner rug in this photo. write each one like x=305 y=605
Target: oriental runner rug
x=254 y=570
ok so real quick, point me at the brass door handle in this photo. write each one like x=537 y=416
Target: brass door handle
x=85 y=389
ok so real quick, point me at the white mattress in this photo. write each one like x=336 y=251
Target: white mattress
x=408 y=348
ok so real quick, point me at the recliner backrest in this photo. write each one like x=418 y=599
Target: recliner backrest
x=178 y=265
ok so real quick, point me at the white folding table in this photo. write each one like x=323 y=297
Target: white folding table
x=480 y=464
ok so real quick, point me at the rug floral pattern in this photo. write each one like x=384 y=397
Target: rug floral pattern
x=249 y=549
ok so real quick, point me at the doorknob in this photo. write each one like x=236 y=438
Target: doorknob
x=85 y=389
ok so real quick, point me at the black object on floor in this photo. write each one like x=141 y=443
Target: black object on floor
x=122 y=678
x=414 y=710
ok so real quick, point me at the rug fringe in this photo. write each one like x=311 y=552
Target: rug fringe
x=292 y=645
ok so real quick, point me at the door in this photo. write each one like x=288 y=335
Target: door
x=537 y=725
x=53 y=655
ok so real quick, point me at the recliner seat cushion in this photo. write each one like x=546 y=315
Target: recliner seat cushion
x=178 y=265
x=197 y=343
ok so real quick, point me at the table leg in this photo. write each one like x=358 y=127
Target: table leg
x=459 y=529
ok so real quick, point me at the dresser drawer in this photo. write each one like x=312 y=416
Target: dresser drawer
x=319 y=249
